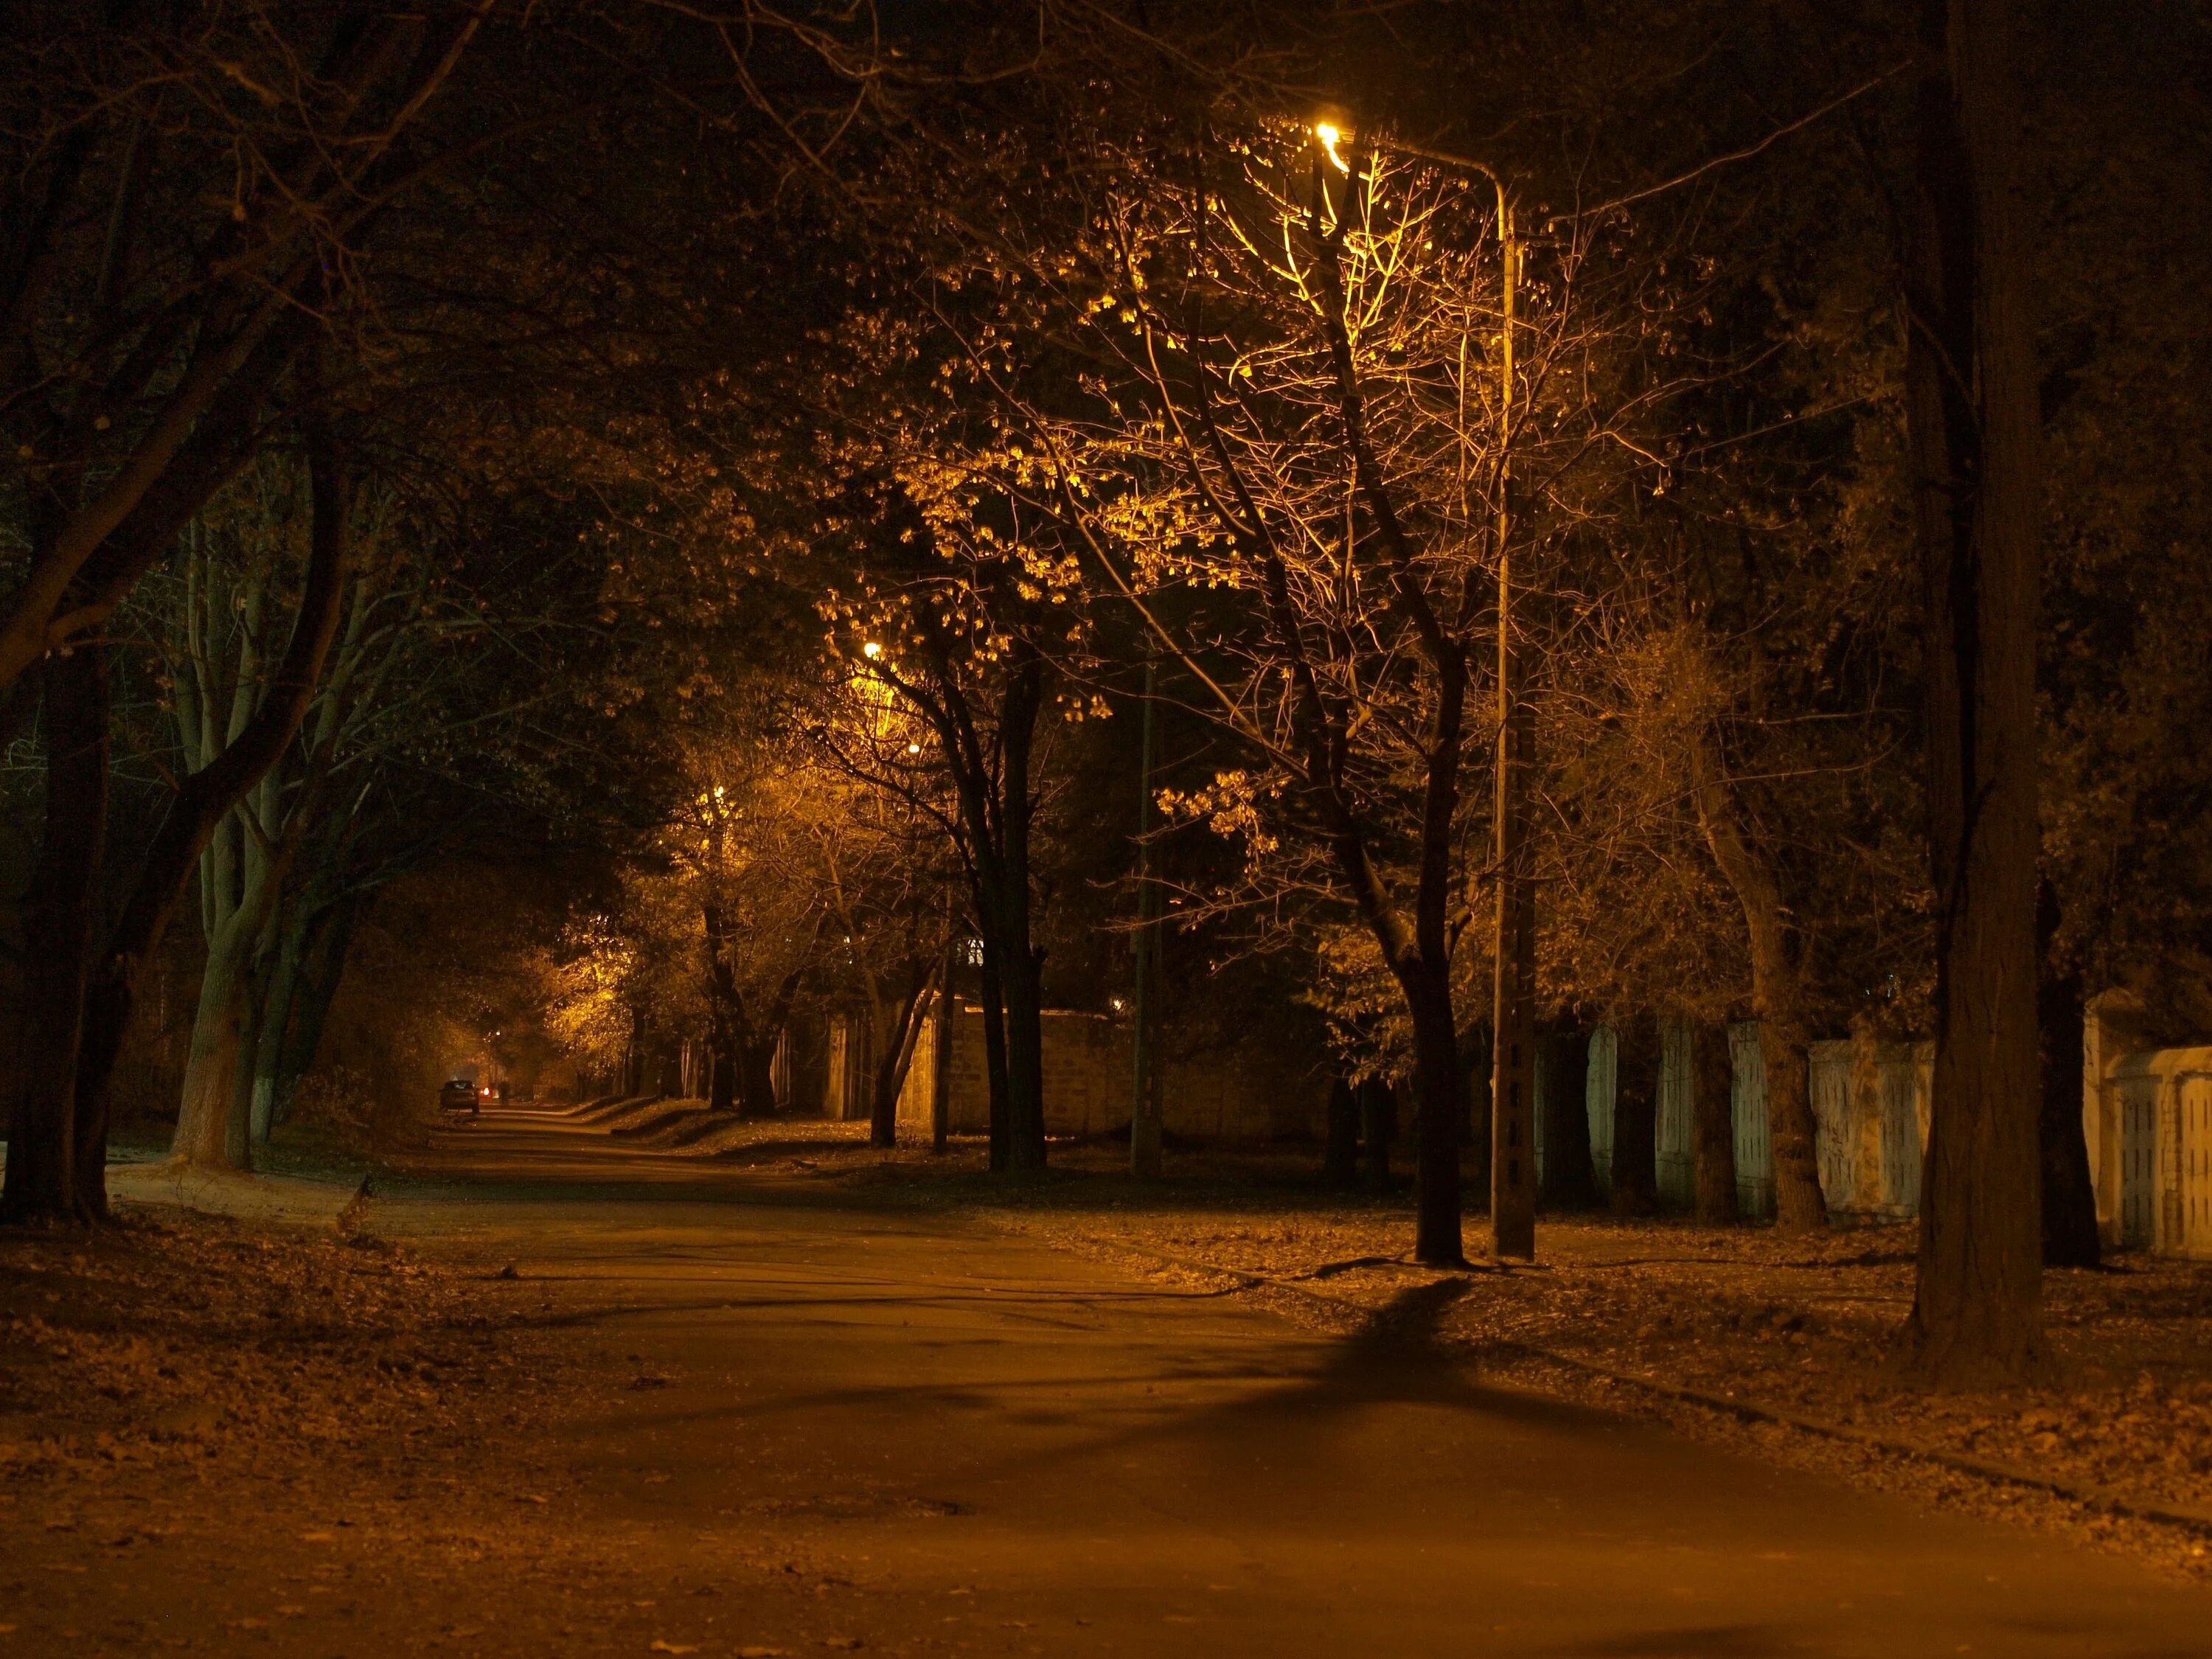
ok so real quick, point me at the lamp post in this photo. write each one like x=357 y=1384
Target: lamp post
x=1513 y=1046
x=1513 y=1013
x=1144 y=1094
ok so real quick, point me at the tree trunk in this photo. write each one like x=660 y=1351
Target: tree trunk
x=721 y=1071
x=1971 y=418
x=272 y=1031
x=633 y=1067
x=1019 y=982
x=209 y=795
x=322 y=966
x=204 y=1136
x=107 y=1015
x=238 y=1124
x=993 y=1049
x=212 y=1117
x=1475 y=1067
x=895 y=1057
x=1340 y=1162
x=940 y=1082
x=1777 y=999
x=1439 y=1120
x=757 y=1078
x=2060 y=1012
x=1800 y=1205
x=1570 y=1178
x=2070 y=1198
x=43 y=1183
x=723 y=1088
x=1379 y=1127
x=1712 y=1124
x=1635 y=1117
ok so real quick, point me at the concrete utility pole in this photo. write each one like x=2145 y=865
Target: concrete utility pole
x=1513 y=1047
x=1144 y=1095
x=940 y=1059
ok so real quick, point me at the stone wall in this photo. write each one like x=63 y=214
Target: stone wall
x=1239 y=1096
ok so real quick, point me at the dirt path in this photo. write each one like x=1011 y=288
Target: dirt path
x=786 y=1423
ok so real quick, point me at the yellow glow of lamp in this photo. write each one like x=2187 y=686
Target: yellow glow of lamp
x=1330 y=136
x=871 y=651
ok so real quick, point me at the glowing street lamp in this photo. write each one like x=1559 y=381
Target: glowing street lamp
x=1512 y=1158
x=1330 y=136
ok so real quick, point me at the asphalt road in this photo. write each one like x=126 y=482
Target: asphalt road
x=962 y=1442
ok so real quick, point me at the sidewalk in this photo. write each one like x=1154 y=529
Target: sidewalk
x=137 y=1176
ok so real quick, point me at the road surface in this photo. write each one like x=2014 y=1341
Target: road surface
x=843 y=1429
x=1012 y=1448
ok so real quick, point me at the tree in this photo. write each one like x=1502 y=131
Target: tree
x=62 y=1128
x=1972 y=419
x=1311 y=420
x=150 y=319
x=1569 y=1181
x=977 y=693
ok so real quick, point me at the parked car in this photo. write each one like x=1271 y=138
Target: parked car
x=460 y=1095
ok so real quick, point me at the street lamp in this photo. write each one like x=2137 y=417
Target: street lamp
x=1513 y=1045
x=1330 y=136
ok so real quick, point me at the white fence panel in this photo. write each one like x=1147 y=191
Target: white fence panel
x=2192 y=1232
x=1754 y=1145
x=2138 y=1101
x=1870 y=1113
x=1675 y=1160
x=2156 y=1104
x=1905 y=1081
x=1838 y=1134
x=1597 y=1097
x=1539 y=1080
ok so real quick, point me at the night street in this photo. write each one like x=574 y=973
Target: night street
x=830 y=1426
x=1356 y=828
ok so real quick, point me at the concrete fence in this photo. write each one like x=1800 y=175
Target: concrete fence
x=2147 y=1116
x=1251 y=1095
x=1870 y=1115
x=1754 y=1138
x=2147 y=1111
x=1870 y=1108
